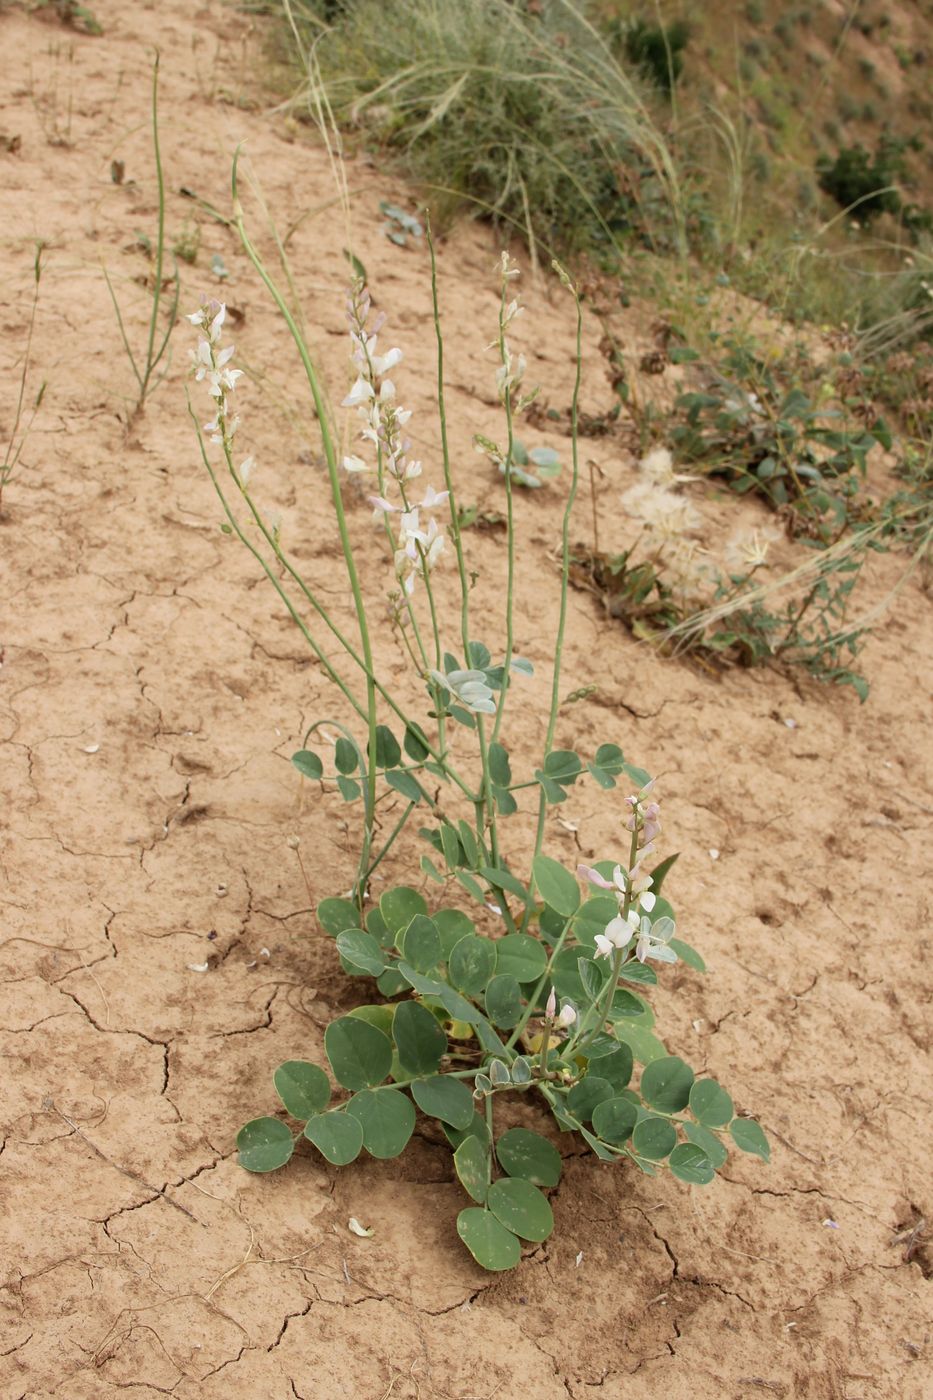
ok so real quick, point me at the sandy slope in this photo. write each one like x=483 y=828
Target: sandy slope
x=150 y=695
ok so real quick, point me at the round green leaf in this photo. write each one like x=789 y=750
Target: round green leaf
x=335 y=915
x=499 y=768
x=477 y=1128
x=399 y=906
x=644 y=1046
x=337 y=1136
x=747 y=1135
x=654 y=1138
x=530 y=1156
x=666 y=1084
x=491 y=1244
x=391 y=982
x=471 y=964
x=382 y=1017
x=362 y=951
x=303 y=1088
x=616 y=1066
x=614 y=1119
x=360 y=1054
x=471 y=1163
x=419 y=1039
x=710 y=1104
x=388 y=753
x=583 y=1097
x=420 y=944
x=308 y=763
x=445 y=1098
x=690 y=1163
x=346 y=757
x=557 y=887
x=709 y=1142
x=264 y=1144
x=520 y=957
x=504 y=1001
x=387 y=1119
x=521 y=1208
x=452 y=925
x=405 y=783
x=687 y=955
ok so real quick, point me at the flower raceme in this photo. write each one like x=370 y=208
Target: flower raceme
x=632 y=889
x=210 y=365
x=417 y=544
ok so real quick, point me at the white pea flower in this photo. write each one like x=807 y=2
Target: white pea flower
x=383 y=363
x=618 y=933
x=247 y=467
x=361 y=392
x=355 y=464
x=469 y=687
x=567 y=1017
x=433 y=499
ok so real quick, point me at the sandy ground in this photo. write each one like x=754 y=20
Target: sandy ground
x=150 y=695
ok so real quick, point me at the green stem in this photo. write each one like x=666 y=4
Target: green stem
x=334 y=479
x=536 y=994
x=510 y=526
x=160 y=243
x=455 y=532
x=564 y=572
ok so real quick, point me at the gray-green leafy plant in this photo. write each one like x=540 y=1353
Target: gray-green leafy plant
x=541 y=990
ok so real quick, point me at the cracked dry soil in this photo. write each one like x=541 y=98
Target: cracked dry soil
x=150 y=695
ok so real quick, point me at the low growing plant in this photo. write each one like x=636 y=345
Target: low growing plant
x=19 y=432
x=541 y=990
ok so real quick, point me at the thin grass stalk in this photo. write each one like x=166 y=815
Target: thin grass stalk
x=334 y=479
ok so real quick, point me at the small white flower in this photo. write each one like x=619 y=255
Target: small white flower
x=355 y=464
x=381 y=507
x=383 y=363
x=247 y=467
x=433 y=499
x=567 y=1017
x=647 y=901
x=361 y=392
x=216 y=324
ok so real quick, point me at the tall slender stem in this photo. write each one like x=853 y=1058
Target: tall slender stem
x=565 y=565
x=455 y=532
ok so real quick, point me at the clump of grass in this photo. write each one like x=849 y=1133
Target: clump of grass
x=19 y=433
x=528 y=117
x=145 y=369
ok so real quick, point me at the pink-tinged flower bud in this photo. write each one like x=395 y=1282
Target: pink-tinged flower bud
x=567 y=1017
x=551 y=1006
x=593 y=877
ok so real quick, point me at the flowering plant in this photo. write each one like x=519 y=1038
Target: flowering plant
x=541 y=991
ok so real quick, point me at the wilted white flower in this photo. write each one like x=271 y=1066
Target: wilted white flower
x=469 y=687
x=653 y=939
x=355 y=464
